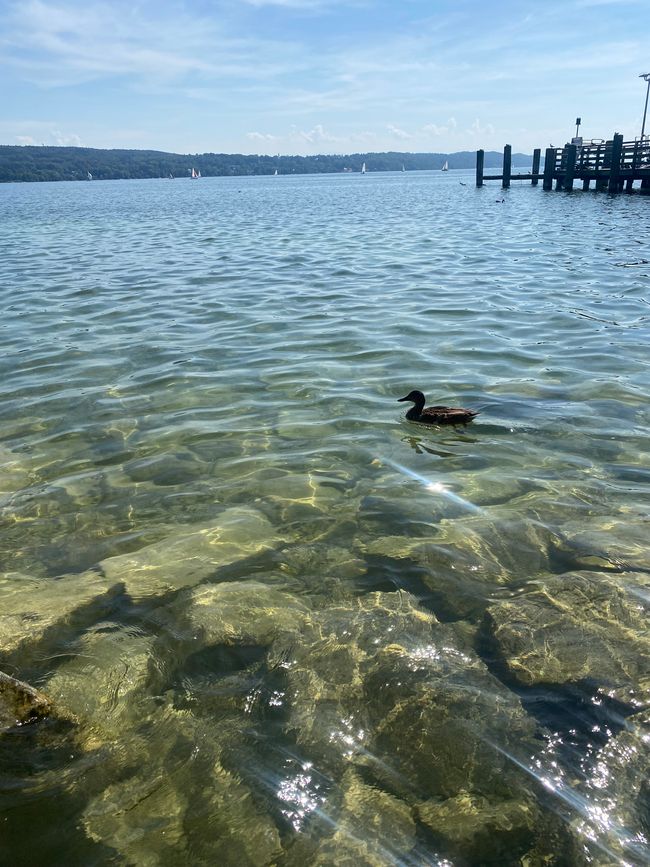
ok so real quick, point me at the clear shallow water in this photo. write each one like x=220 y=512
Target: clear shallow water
x=239 y=572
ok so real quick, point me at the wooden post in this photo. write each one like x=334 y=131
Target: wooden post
x=480 y=159
x=549 y=169
x=645 y=187
x=628 y=185
x=507 y=166
x=601 y=183
x=585 y=184
x=570 y=153
x=536 y=155
x=559 y=178
x=615 y=166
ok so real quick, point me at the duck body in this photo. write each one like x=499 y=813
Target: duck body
x=435 y=414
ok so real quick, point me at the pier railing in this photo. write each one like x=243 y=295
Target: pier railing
x=613 y=165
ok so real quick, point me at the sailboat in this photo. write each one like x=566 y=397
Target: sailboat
x=90 y=177
x=363 y=169
x=445 y=167
x=275 y=173
x=403 y=169
x=194 y=173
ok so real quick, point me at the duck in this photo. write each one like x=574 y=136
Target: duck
x=435 y=414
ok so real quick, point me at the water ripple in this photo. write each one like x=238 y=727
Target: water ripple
x=199 y=386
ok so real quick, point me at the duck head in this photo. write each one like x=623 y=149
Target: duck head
x=412 y=397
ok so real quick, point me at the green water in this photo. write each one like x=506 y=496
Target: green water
x=280 y=624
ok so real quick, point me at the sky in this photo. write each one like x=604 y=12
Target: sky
x=320 y=76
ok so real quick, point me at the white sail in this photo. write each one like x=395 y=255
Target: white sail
x=363 y=169
x=445 y=168
x=90 y=177
x=275 y=172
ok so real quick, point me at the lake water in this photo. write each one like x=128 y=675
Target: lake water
x=278 y=623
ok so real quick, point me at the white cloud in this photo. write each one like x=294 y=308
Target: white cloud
x=317 y=134
x=261 y=136
x=479 y=129
x=444 y=129
x=397 y=132
x=66 y=139
x=37 y=132
x=295 y=139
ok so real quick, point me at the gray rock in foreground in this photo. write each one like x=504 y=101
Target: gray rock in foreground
x=20 y=703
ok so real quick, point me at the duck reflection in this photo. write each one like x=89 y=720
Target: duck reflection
x=419 y=448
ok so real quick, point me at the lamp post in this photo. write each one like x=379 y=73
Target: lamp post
x=646 y=76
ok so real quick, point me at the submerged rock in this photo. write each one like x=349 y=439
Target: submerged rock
x=321 y=568
x=166 y=470
x=499 y=547
x=385 y=686
x=30 y=607
x=573 y=628
x=104 y=684
x=140 y=818
x=242 y=612
x=325 y=683
x=193 y=553
x=173 y=801
x=480 y=829
x=444 y=723
x=617 y=792
x=611 y=544
x=15 y=472
x=20 y=703
x=466 y=559
x=227 y=827
x=373 y=828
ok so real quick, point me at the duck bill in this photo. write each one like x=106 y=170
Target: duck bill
x=401 y=399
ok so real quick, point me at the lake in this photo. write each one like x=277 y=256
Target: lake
x=278 y=623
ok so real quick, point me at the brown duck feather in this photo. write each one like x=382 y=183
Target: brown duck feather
x=435 y=414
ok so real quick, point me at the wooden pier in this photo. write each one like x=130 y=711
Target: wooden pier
x=613 y=166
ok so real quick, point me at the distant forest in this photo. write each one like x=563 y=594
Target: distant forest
x=34 y=163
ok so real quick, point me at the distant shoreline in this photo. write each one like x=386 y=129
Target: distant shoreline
x=30 y=163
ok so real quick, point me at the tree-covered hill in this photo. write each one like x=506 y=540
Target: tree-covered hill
x=34 y=163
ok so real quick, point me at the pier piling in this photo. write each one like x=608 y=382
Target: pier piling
x=536 y=158
x=549 y=169
x=569 y=160
x=507 y=166
x=480 y=159
x=602 y=180
x=615 y=163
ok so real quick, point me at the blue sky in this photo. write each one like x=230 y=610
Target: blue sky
x=320 y=76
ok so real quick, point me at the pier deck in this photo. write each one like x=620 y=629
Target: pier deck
x=612 y=165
